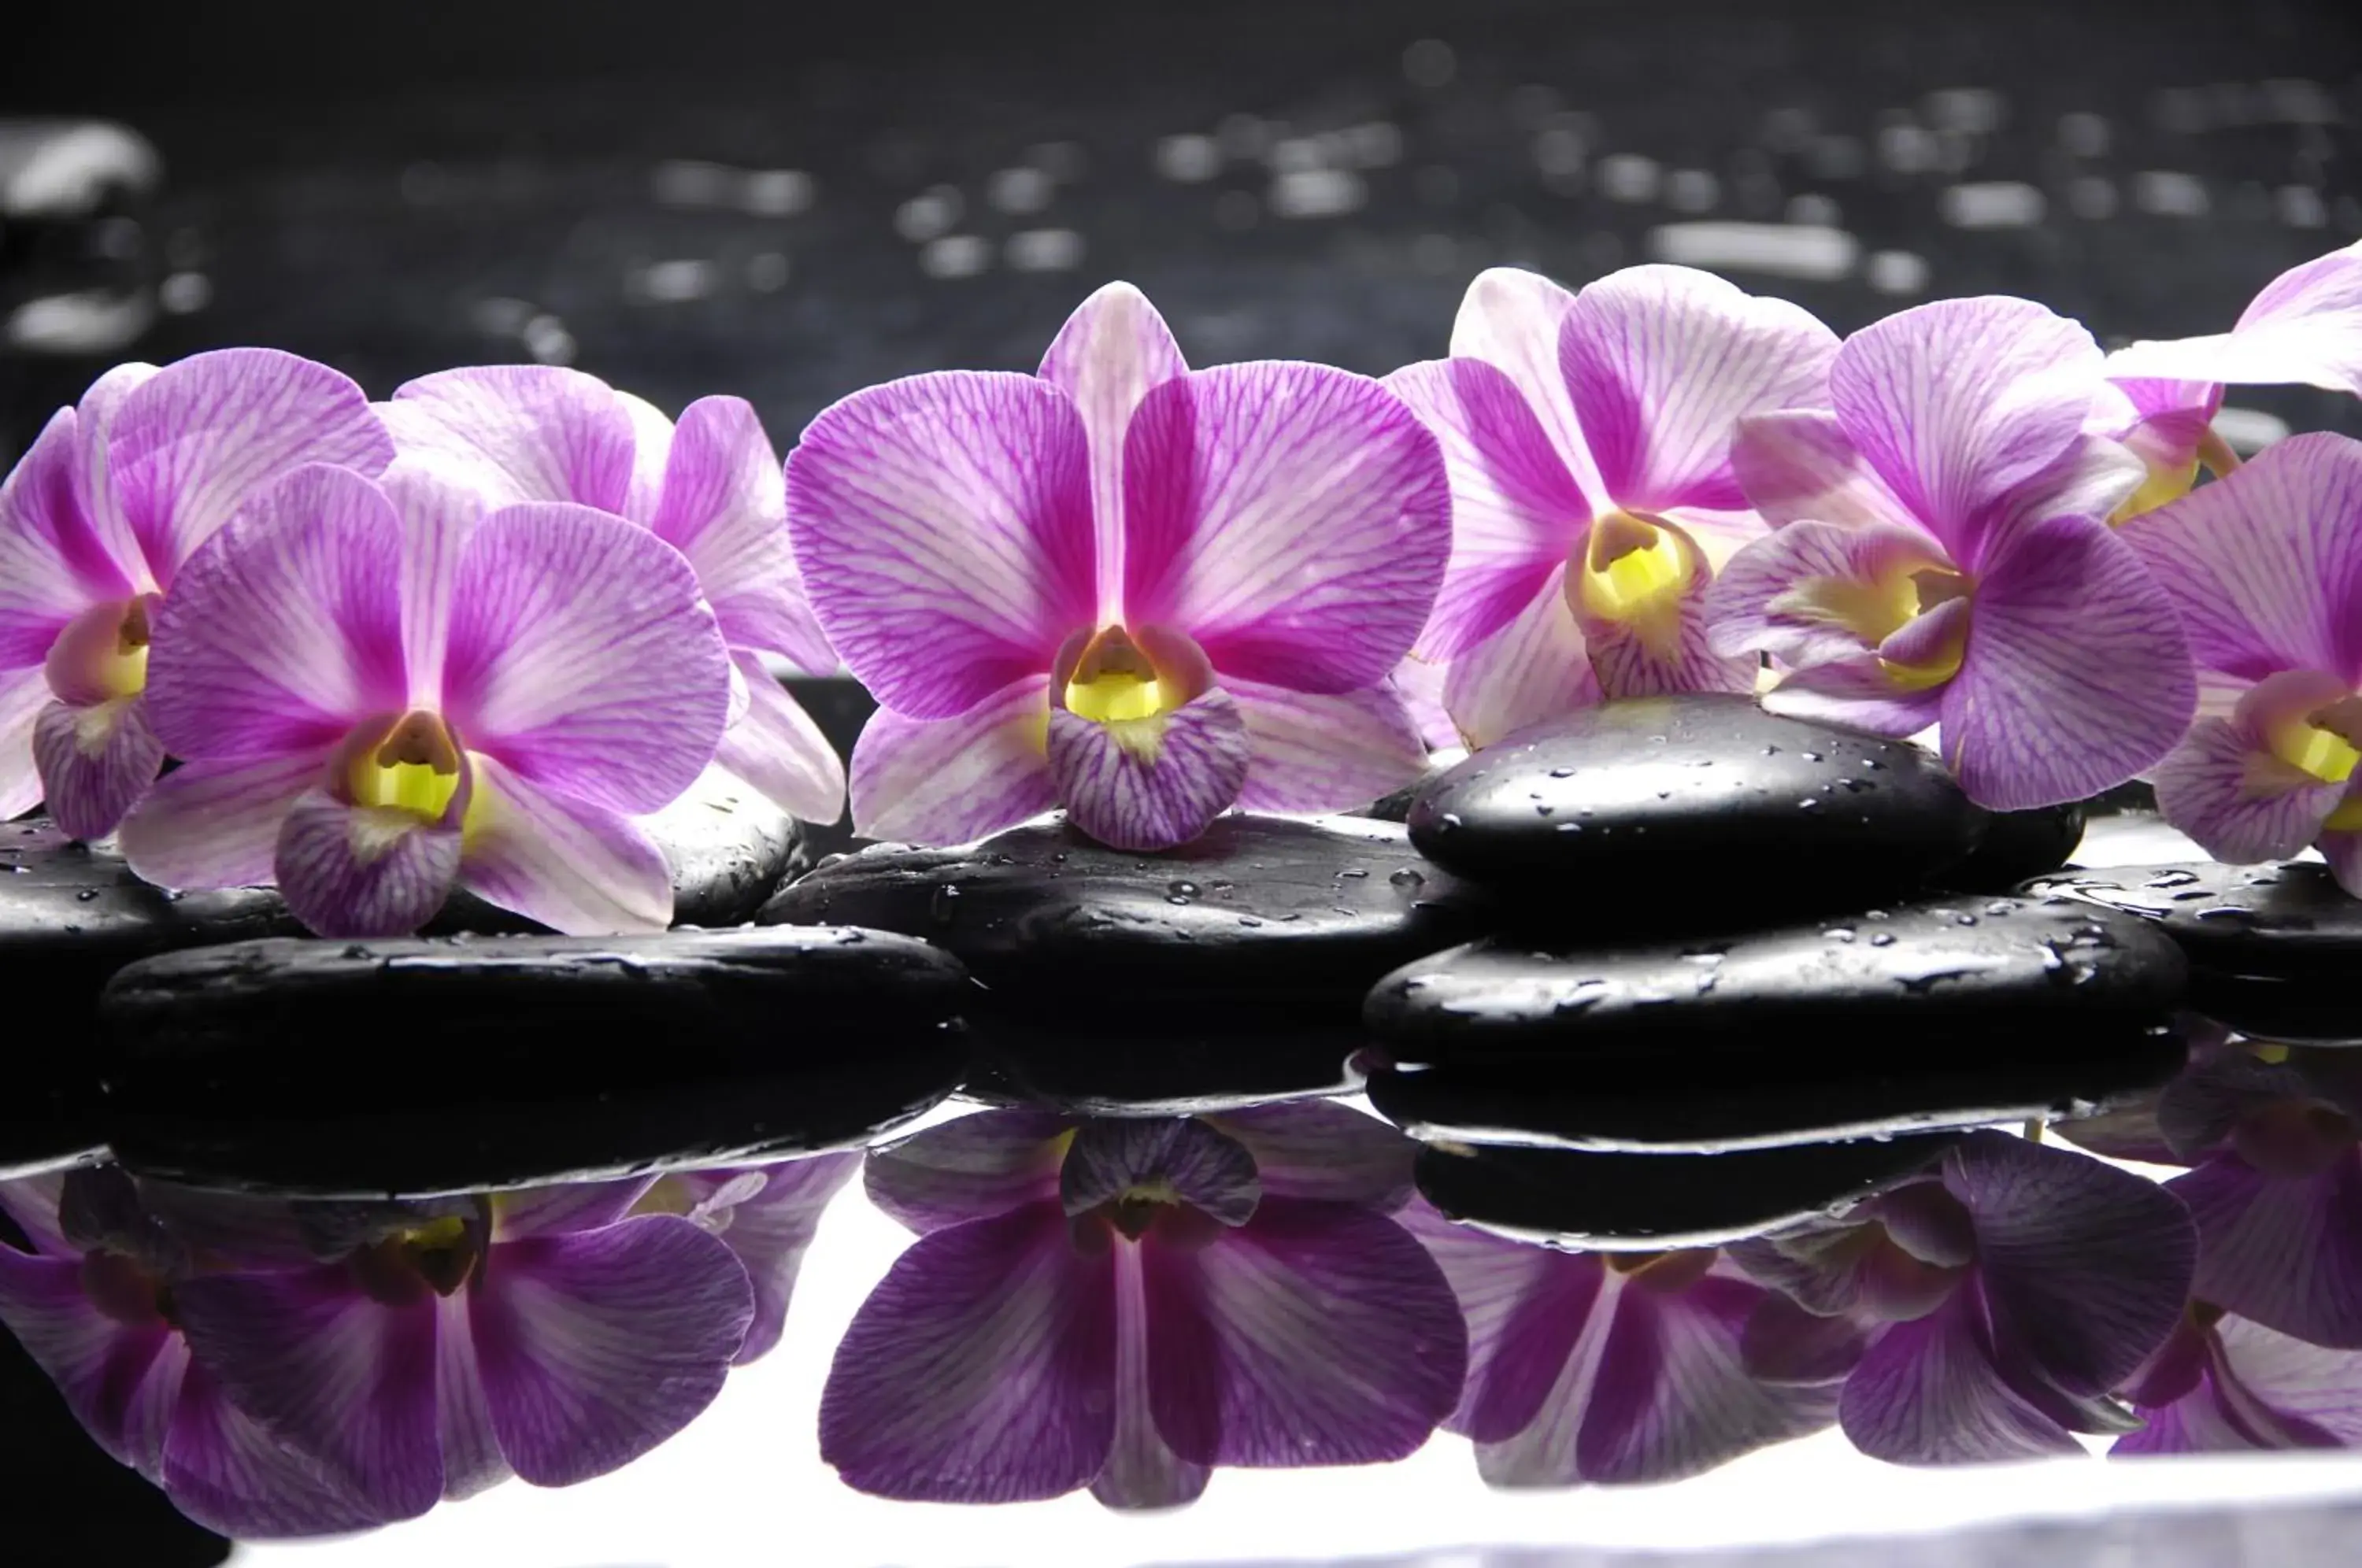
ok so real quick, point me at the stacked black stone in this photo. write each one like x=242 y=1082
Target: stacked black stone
x=1748 y=968
x=1227 y=971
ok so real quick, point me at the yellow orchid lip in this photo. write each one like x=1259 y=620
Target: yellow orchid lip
x=102 y=654
x=1635 y=571
x=414 y=768
x=1130 y=681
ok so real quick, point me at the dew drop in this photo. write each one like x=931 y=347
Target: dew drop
x=1406 y=877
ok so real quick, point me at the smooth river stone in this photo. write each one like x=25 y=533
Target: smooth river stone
x=1621 y=1202
x=436 y=1065
x=71 y=915
x=1694 y=810
x=2016 y=844
x=2275 y=950
x=1923 y=980
x=1226 y=971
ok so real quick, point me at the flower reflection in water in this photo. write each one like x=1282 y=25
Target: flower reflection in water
x=1127 y=1304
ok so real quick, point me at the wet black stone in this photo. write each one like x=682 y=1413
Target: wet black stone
x=1227 y=970
x=1626 y=1202
x=71 y=915
x=2017 y=844
x=435 y=1064
x=1694 y=808
x=1925 y=981
x=840 y=706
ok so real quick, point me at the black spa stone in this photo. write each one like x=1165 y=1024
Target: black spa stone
x=1691 y=809
x=1613 y=1202
x=1923 y=981
x=436 y=1065
x=2017 y=844
x=1227 y=970
x=71 y=915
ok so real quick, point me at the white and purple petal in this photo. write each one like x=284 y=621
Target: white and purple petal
x=1150 y=784
x=216 y=824
x=1320 y=1149
x=1797 y=466
x=724 y=506
x=972 y=1168
x=950 y=780
x=2226 y=786
x=1324 y=754
x=519 y=433
x=1536 y=667
x=1814 y=592
x=2305 y=327
x=1106 y=357
x=361 y=871
x=2284 y=1251
x=777 y=747
x=577 y=867
x=54 y=564
x=95 y=762
x=1511 y=319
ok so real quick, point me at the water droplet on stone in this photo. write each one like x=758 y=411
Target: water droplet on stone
x=1406 y=877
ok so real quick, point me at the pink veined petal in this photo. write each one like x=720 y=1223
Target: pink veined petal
x=53 y=563
x=519 y=433
x=564 y=1207
x=1107 y=356
x=216 y=824
x=582 y=658
x=1127 y=801
x=1320 y=1149
x=115 y=1377
x=596 y=1347
x=1515 y=510
x=24 y=696
x=1324 y=754
x=1857 y=692
x=1535 y=667
x=1782 y=595
x=2161 y=422
x=95 y=491
x=981 y=1369
x=943 y=527
x=1537 y=1320
x=354 y=871
x=2076 y=676
x=96 y=763
x=1420 y=685
x=1927 y=1392
x=1142 y=1471
x=2286 y=1252
x=1293 y=519
x=1627 y=663
x=776 y=747
x=2298 y=1382
x=652 y=437
x=577 y=867
x=438 y=514
x=1954 y=403
x=725 y=507
x=1662 y=363
x=2305 y=327
x=1797 y=466
x=1316 y=1333
x=279 y=632
x=340 y=1378
x=2193 y=1424
x=2225 y=787
x=192 y=443
x=1205 y=1168
x=769 y=1233
x=2091 y=479
x=1510 y=319
x=224 y=1471
x=463 y=1418
x=972 y=1168
x=2265 y=565
x=950 y=780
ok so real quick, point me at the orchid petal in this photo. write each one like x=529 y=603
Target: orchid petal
x=972 y=1168
x=24 y=697
x=1419 y=685
x=1956 y=404
x=95 y=762
x=2225 y=787
x=981 y=1368
x=224 y=1472
x=1511 y=319
x=115 y=1377
x=1320 y=1149
x=2286 y=1252
x=950 y=780
x=577 y=867
x=2305 y=327
x=438 y=516
x=53 y=563
x=769 y=1233
x=2303 y=1384
x=1293 y=519
x=348 y=870
x=725 y=507
x=562 y=1209
x=1536 y=1321
x=1515 y=510
x=583 y=657
x=336 y=1375
x=1814 y=592
x=280 y=634
x=596 y=1347
x=33 y=1203
x=1328 y=1334
x=1536 y=667
x=1107 y=356
x=943 y=527
x=1129 y=796
x=777 y=749
x=2091 y=479
x=1324 y=754
x=1109 y=1157
x=216 y=824
x=1858 y=692
x=1663 y=361
x=519 y=433
x=2265 y=564
x=1142 y=1471
x=2076 y=676
x=1797 y=466
x=1927 y=1392
x=94 y=484
x=463 y=1418
x=2161 y=422
x=192 y=443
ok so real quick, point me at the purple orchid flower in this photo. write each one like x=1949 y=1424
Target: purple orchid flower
x=1940 y=557
x=766 y=1217
x=95 y=1304
x=2223 y=1385
x=452 y=1343
x=1621 y=1368
x=710 y=487
x=2265 y=567
x=382 y=692
x=2305 y=328
x=1588 y=441
x=1127 y=1304
x=95 y=523
x=2004 y=1296
x=1145 y=592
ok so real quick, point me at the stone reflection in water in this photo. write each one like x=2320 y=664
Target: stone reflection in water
x=300 y=1368
x=1127 y=1304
